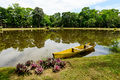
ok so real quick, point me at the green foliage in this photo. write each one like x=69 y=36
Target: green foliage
x=56 y=20
x=88 y=17
x=17 y=16
x=69 y=19
x=115 y=47
x=46 y=21
x=38 y=16
x=110 y=17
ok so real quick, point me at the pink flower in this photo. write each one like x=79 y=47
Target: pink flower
x=40 y=62
x=56 y=68
x=33 y=66
x=39 y=70
x=58 y=60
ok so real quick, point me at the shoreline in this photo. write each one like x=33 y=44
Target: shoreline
x=13 y=29
x=85 y=67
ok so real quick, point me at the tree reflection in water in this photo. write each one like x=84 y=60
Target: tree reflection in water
x=36 y=38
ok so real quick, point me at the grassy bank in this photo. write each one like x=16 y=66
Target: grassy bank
x=88 y=68
x=11 y=29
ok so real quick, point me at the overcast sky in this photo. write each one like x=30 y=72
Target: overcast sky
x=53 y=6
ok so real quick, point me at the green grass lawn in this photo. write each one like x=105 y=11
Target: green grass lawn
x=106 y=67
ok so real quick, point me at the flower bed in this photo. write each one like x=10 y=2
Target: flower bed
x=38 y=67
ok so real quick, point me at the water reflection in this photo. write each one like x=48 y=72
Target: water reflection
x=20 y=46
x=25 y=39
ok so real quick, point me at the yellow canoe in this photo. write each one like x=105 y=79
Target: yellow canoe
x=73 y=51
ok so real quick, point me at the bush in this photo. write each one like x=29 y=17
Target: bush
x=21 y=69
x=29 y=62
x=56 y=68
x=33 y=66
x=39 y=66
x=115 y=46
x=39 y=70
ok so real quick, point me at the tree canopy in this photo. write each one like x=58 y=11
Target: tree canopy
x=19 y=17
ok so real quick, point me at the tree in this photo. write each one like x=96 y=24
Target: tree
x=17 y=16
x=118 y=20
x=2 y=15
x=99 y=20
x=69 y=19
x=110 y=17
x=38 y=16
x=91 y=22
x=46 y=21
x=86 y=16
x=26 y=17
x=56 y=19
x=14 y=17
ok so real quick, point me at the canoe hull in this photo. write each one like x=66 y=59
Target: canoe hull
x=71 y=54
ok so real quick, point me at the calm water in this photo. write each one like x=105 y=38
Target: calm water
x=20 y=46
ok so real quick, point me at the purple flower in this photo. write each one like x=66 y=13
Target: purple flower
x=58 y=60
x=33 y=66
x=38 y=67
x=21 y=69
x=56 y=68
x=39 y=70
x=40 y=62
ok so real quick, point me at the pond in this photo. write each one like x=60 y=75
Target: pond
x=20 y=46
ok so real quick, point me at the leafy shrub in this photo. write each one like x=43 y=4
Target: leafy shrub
x=48 y=63
x=29 y=62
x=56 y=68
x=115 y=47
x=62 y=64
x=39 y=66
x=53 y=63
x=58 y=60
x=21 y=69
x=39 y=70
x=33 y=66
x=40 y=62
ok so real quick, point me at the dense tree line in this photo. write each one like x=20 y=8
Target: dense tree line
x=16 y=16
